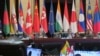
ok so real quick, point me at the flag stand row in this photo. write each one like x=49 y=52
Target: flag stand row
x=31 y=27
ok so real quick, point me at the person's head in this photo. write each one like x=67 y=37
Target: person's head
x=69 y=31
x=77 y=54
x=88 y=31
x=77 y=34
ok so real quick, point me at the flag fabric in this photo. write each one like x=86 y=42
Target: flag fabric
x=89 y=21
x=71 y=51
x=28 y=23
x=44 y=19
x=36 y=19
x=65 y=18
x=58 y=24
x=51 y=20
x=1 y=27
x=65 y=49
x=6 y=24
x=21 y=18
x=73 y=22
x=81 y=20
x=11 y=28
x=96 y=23
x=14 y=23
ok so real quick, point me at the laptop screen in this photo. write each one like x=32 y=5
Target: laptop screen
x=86 y=53
x=33 y=51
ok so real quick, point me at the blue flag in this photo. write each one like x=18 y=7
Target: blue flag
x=96 y=23
x=81 y=24
x=51 y=20
x=21 y=19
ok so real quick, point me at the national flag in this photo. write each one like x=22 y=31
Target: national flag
x=51 y=19
x=89 y=18
x=28 y=23
x=65 y=49
x=65 y=18
x=36 y=19
x=44 y=19
x=96 y=26
x=21 y=18
x=58 y=24
x=6 y=24
x=1 y=27
x=11 y=28
x=14 y=19
x=73 y=23
x=71 y=51
x=81 y=20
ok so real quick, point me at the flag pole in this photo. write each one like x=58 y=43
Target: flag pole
x=6 y=7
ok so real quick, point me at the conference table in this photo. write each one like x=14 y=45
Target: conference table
x=52 y=45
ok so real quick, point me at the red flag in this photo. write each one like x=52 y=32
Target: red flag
x=65 y=18
x=44 y=19
x=28 y=24
x=36 y=20
x=6 y=24
x=73 y=19
x=96 y=21
x=81 y=20
x=89 y=18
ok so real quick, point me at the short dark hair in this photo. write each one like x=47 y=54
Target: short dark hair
x=77 y=54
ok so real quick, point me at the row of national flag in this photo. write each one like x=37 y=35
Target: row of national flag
x=55 y=23
x=76 y=24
